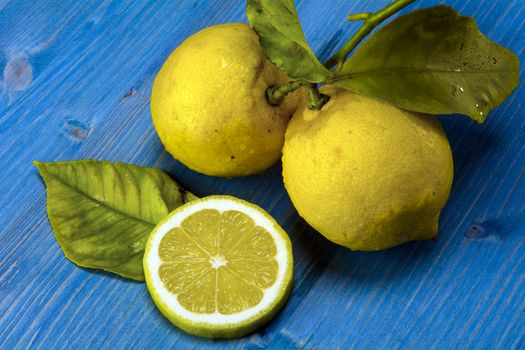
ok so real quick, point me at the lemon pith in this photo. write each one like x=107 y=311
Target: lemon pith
x=222 y=283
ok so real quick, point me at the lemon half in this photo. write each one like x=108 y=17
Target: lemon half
x=219 y=267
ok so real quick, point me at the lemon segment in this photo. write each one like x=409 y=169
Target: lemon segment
x=219 y=267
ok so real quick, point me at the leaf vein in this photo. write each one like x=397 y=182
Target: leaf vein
x=106 y=205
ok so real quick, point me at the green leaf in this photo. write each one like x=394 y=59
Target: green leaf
x=433 y=61
x=102 y=213
x=282 y=39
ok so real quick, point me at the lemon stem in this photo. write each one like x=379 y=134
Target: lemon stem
x=371 y=20
x=316 y=100
x=276 y=94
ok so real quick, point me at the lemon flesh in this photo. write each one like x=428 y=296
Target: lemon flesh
x=365 y=174
x=209 y=107
x=220 y=267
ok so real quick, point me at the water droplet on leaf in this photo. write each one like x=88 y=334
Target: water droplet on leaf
x=453 y=90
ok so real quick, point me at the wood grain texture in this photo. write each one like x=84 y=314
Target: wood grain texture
x=76 y=82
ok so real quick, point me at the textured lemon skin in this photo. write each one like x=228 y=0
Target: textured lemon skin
x=365 y=174
x=209 y=106
x=225 y=331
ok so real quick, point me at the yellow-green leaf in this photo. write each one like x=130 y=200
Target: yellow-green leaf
x=102 y=213
x=282 y=39
x=433 y=61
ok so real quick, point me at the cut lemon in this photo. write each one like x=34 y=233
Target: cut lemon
x=219 y=267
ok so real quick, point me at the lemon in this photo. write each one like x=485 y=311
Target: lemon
x=365 y=174
x=209 y=105
x=219 y=267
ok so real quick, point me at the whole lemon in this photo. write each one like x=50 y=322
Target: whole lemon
x=209 y=105
x=366 y=174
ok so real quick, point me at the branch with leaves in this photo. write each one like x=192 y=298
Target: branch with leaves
x=371 y=20
x=431 y=60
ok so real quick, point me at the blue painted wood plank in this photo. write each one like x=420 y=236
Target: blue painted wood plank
x=75 y=83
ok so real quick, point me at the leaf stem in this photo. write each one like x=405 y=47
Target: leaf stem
x=358 y=16
x=371 y=20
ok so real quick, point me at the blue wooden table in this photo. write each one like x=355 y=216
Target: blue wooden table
x=75 y=81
